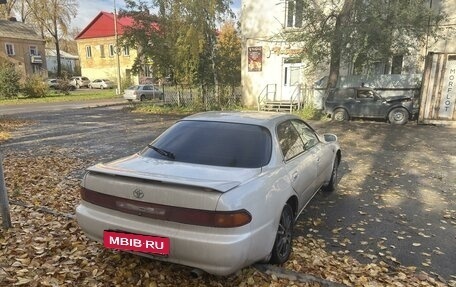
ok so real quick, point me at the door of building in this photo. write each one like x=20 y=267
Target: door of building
x=291 y=78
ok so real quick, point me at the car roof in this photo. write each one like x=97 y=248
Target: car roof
x=266 y=119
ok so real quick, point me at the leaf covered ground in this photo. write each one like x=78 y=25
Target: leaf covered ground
x=45 y=247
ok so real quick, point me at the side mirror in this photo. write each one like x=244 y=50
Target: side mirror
x=330 y=137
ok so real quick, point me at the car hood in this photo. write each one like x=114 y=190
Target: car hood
x=397 y=98
x=214 y=177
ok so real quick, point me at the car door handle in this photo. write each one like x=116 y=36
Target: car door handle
x=294 y=177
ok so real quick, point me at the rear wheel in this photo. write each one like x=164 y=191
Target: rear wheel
x=283 y=243
x=332 y=184
x=398 y=116
x=340 y=115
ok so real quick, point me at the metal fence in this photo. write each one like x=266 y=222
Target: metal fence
x=202 y=98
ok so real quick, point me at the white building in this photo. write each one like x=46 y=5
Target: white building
x=68 y=61
x=272 y=68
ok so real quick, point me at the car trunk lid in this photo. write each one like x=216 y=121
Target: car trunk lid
x=166 y=182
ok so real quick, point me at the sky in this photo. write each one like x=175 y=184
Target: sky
x=88 y=9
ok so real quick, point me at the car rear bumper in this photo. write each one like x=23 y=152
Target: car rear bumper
x=219 y=251
x=130 y=97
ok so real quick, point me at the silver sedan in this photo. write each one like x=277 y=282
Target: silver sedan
x=143 y=92
x=217 y=191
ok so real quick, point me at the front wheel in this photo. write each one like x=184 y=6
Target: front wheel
x=142 y=98
x=340 y=115
x=398 y=116
x=283 y=243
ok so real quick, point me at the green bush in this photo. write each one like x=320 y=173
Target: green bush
x=9 y=80
x=309 y=112
x=35 y=87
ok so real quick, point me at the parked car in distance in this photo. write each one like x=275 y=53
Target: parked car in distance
x=101 y=84
x=59 y=84
x=362 y=102
x=142 y=93
x=79 y=82
x=53 y=83
x=217 y=191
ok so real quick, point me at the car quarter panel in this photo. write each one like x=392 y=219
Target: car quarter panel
x=264 y=198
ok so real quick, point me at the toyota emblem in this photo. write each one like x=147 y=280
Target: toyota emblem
x=138 y=193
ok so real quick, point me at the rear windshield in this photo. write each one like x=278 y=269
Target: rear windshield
x=215 y=143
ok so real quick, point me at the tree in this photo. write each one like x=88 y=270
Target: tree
x=6 y=8
x=179 y=39
x=229 y=55
x=54 y=16
x=9 y=79
x=363 y=29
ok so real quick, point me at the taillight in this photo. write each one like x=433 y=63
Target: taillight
x=225 y=219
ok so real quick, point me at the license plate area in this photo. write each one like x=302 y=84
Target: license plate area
x=136 y=242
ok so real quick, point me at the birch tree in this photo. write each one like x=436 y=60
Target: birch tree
x=54 y=17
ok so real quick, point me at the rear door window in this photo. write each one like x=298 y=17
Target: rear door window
x=289 y=140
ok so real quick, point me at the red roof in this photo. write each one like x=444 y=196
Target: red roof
x=103 y=26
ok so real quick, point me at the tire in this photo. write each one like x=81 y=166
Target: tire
x=398 y=116
x=142 y=98
x=332 y=184
x=340 y=115
x=284 y=237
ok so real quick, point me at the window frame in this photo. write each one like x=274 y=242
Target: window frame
x=10 y=47
x=295 y=8
x=111 y=50
x=33 y=50
x=126 y=51
x=88 y=50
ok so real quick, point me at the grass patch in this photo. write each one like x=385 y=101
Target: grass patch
x=56 y=96
x=161 y=109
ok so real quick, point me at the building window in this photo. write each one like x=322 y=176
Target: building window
x=396 y=66
x=102 y=52
x=294 y=13
x=33 y=50
x=126 y=51
x=9 y=49
x=88 y=52
x=111 y=50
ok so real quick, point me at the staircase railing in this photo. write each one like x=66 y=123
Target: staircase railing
x=295 y=97
x=268 y=89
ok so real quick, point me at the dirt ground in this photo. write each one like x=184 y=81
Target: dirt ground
x=392 y=221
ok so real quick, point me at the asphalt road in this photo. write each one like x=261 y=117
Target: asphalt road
x=396 y=199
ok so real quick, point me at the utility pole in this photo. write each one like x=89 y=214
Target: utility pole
x=119 y=86
x=4 y=204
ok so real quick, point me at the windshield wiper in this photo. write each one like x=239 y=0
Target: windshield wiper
x=163 y=152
